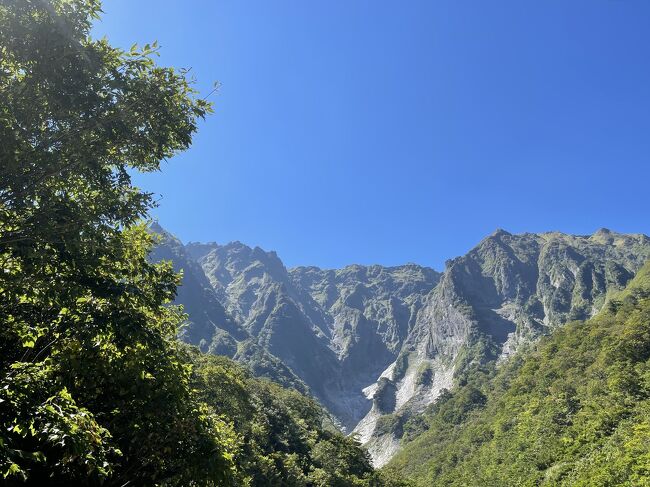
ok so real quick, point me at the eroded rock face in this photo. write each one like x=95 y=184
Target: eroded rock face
x=335 y=329
x=504 y=293
x=377 y=344
x=208 y=320
x=210 y=326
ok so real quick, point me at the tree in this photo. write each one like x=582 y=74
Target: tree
x=286 y=438
x=93 y=387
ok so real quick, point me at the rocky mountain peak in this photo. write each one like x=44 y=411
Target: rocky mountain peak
x=377 y=344
x=500 y=232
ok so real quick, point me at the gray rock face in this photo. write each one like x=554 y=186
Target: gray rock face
x=369 y=312
x=504 y=293
x=209 y=325
x=335 y=329
x=377 y=344
x=207 y=316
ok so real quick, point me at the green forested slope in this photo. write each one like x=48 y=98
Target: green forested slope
x=282 y=436
x=573 y=410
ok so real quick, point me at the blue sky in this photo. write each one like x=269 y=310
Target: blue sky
x=350 y=131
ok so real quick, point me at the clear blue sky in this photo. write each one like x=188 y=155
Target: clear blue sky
x=388 y=132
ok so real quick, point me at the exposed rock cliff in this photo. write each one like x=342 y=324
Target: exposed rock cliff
x=505 y=292
x=376 y=344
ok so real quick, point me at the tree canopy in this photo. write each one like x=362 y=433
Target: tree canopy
x=93 y=388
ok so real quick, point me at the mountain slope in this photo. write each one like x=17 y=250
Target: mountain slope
x=572 y=410
x=377 y=345
x=209 y=325
x=256 y=289
x=506 y=292
x=337 y=345
x=283 y=437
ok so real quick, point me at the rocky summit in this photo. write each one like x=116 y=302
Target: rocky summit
x=377 y=344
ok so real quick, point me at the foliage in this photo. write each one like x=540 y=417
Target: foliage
x=282 y=434
x=92 y=387
x=263 y=364
x=573 y=411
x=390 y=423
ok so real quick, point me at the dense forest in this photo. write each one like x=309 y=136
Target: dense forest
x=574 y=410
x=96 y=389
x=281 y=437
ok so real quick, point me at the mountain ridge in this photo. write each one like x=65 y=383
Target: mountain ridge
x=571 y=410
x=377 y=344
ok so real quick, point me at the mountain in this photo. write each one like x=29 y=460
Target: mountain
x=572 y=410
x=506 y=292
x=378 y=345
x=336 y=329
x=209 y=325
